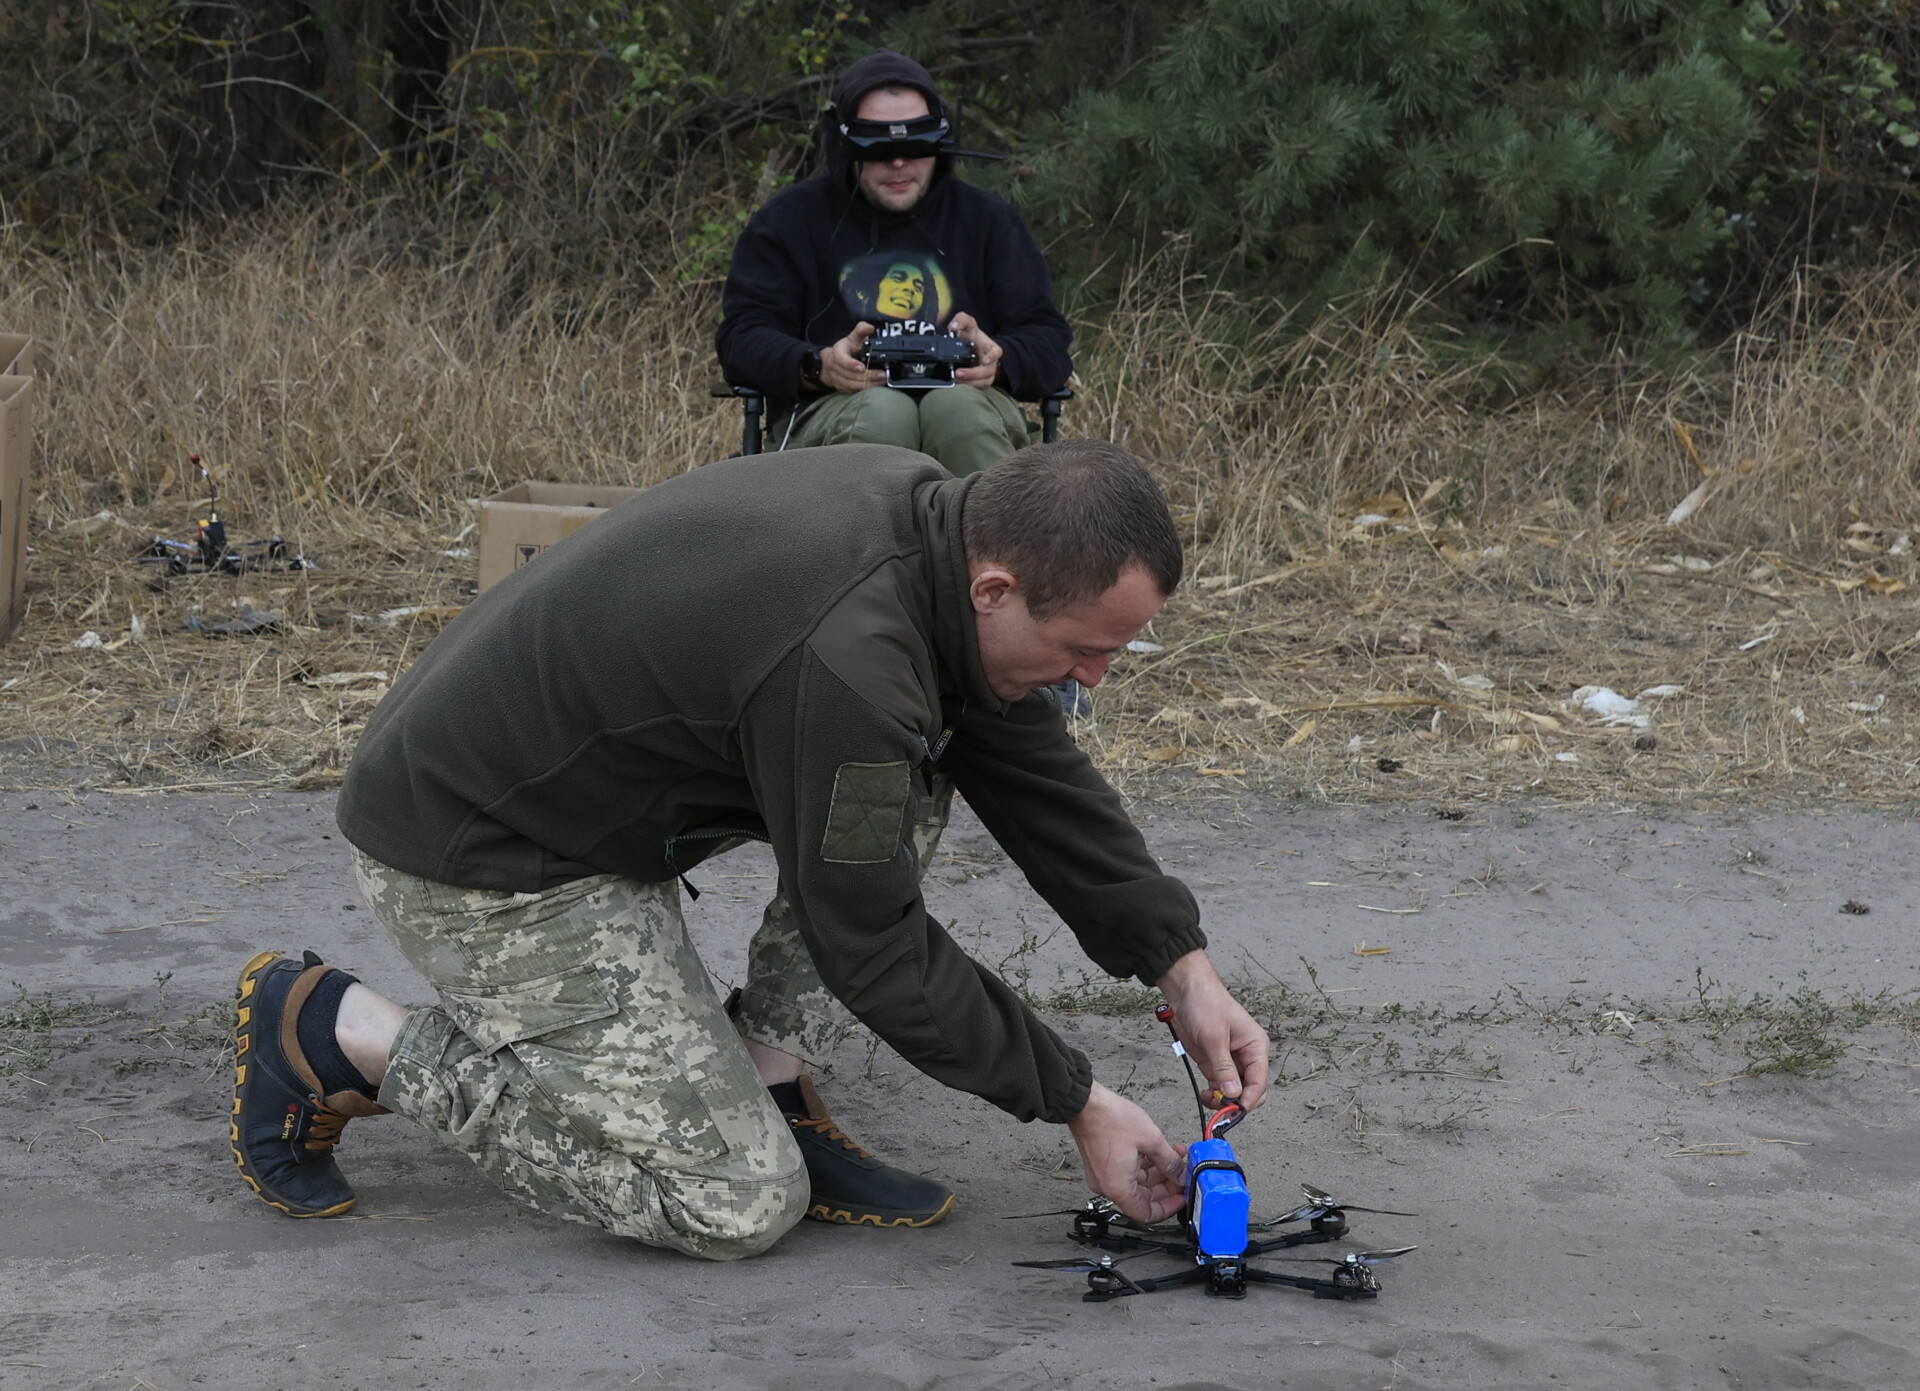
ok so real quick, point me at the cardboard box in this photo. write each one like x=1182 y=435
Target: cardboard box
x=16 y=464
x=517 y=525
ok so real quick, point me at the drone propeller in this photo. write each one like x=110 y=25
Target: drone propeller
x=1098 y=1208
x=1318 y=1204
x=1082 y=1263
x=1320 y=1195
x=1352 y=1258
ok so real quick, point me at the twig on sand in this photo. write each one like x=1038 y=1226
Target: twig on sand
x=1709 y=1151
x=170 y=922
x=1447 y=1072
x=1876 y=1058
x=158 y=790
x=1775 y=595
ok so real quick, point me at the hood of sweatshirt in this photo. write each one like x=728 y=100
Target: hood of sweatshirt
x=880 y=68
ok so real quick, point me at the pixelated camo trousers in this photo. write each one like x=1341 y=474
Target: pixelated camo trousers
x=582 y=1058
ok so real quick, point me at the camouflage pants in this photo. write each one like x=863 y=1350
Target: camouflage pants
x=581 y=1057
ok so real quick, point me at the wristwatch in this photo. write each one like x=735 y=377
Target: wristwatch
x=810 y=368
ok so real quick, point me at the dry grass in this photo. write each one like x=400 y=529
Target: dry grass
x=353 y=395
x=1395 y=593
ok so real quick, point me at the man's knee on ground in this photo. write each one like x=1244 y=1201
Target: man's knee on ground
x=738 y=1205
x=718 y=1220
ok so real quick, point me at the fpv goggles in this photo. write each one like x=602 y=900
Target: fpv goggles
x=922 y=137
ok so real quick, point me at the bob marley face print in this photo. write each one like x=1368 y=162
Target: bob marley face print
x=902 y=290
x=898 y=292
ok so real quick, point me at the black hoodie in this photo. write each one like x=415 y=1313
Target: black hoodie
x=819 y=258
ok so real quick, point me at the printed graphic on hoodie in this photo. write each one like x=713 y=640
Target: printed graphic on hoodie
x=898 y=292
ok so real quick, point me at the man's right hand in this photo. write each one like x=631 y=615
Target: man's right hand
x=841 y=368
x=1126 y=1159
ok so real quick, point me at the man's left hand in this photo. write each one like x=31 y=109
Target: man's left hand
x=1220 y=1036
x=984 y=348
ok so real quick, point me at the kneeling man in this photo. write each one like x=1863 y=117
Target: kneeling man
x=814 y=650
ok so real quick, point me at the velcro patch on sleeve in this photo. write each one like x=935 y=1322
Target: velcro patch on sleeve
x=869 y=808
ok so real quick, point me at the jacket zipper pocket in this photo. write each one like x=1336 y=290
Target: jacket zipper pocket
x=715 y=834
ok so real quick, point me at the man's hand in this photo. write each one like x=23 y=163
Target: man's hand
x=1126 y=1159
x=1225 y=1044
x=984 y=348
x=841 y=368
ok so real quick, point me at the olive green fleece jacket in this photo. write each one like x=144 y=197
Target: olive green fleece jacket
x=775 y=647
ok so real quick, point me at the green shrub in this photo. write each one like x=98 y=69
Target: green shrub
x=1550 y=160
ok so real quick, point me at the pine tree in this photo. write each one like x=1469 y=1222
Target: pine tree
x=1533 y=160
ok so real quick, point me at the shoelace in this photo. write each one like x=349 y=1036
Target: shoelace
x=324 y=1132
x=827 y=1130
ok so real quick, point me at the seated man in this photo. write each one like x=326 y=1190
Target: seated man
x=888 y=242
x=813 y=650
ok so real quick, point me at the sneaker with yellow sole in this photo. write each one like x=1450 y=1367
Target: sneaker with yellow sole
x=850 y=1186
x=284 y=1125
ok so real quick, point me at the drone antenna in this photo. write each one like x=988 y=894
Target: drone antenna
x=213 y=486
x=1165 y=1015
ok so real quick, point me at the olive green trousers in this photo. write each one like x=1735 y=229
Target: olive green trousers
x=967 y=428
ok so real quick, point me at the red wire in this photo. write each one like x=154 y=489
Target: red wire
x=1213 y=1120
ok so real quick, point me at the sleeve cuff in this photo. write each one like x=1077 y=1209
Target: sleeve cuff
x=1168 y=950
x=1072 y=1099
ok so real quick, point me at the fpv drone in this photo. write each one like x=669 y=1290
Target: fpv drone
x=211 y=553
x=1213 y=1237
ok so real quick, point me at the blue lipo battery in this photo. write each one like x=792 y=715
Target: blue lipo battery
x=1218 y=1197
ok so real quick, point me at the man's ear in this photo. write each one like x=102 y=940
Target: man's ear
x=991 y=588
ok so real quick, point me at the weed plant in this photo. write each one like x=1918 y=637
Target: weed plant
x=37 y=1028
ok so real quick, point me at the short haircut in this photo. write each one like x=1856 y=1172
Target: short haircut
x=894 y=89
x=1067 y=518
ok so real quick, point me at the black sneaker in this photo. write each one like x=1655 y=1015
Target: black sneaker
x=284 y=1130
x=850 y=1186
x=1076 y=701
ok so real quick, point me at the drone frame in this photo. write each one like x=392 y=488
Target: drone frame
x=1225 y=1277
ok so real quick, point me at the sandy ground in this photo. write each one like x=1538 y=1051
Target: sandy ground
x=1600 y=1206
